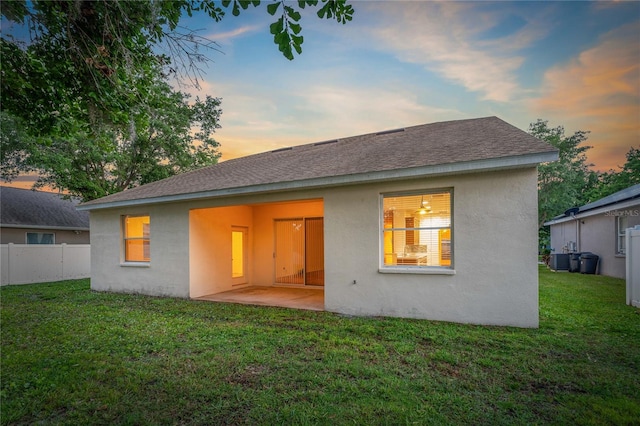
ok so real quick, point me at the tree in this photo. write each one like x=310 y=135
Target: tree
x=562 y=184
x=102 y=35
x=610 y=182
x=91 y=144
x=86 y=102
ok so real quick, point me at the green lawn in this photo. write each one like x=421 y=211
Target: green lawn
x=72 y=356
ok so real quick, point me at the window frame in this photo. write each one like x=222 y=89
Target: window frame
x=124 y=239
x=415 y=269
x=621 y=249
x=53 y=239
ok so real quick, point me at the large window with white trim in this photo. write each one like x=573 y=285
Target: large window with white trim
x=417 y=230
x=136 y=230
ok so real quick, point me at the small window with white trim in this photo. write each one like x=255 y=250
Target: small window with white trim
x=41 y=238
x=417 y=230
x=621 y=228
x=136 y=231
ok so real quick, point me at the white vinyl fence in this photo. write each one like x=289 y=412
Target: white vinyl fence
x=633 y=266
x=35 y=263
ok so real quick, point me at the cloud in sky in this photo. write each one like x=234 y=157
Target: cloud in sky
x=228 y=36
x=403 y=63
x=461 y=43
x=329 y=111
x=599 y=90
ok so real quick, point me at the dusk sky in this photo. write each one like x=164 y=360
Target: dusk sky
x=404 y=63
x=398 y=64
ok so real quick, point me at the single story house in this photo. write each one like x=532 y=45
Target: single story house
x=37 y=217
x=599 y=228
x=435 y=221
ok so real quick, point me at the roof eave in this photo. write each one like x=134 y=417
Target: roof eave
x=502 y=163
x=600 y=210
x=53 y=228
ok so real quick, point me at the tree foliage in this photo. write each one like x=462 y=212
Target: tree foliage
x=607 y=183
x=562 y=184
x=86 y=102
x=569 y=182
x=94 y=140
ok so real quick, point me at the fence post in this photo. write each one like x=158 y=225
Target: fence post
x=5 y=273
x=632 y=237
x=62 y=259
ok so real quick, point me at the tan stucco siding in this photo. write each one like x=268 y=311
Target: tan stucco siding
x=167 y=274
x=494 y=238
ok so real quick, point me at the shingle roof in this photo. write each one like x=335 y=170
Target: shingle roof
x=24 y=207
x=627 y=194
x=624 y=195
x=433 y=144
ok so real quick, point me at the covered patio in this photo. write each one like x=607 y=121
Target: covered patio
x=311 y=299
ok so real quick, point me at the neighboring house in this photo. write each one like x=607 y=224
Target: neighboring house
x=599 y=228
x=437 y=221
x=36 y=217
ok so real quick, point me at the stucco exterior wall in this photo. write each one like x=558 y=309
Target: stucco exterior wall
x=19 y=235
x=494 y=278
x=562 y=235
x=167 y=274
x=210 y=247
x=494 y=253
x=597 y=234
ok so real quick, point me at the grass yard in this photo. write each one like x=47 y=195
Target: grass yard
x=73 y=356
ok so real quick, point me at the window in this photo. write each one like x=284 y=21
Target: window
x=621 y=227
x=136 y=238
x=417 y=232
x=41 y=238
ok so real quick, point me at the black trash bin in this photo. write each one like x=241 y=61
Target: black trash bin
x=588 y=263
x=574 y=262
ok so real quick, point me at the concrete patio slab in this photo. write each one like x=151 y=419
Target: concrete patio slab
x=286 y=297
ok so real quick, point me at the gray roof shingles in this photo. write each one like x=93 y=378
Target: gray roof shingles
x=417 y=146
x=626 y=194
x=24 y=207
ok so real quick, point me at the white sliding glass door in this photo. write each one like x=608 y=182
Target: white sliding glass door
x=299 y=251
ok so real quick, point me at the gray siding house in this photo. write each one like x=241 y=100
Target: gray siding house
x=436 y=221
x=37 y=217
x=599 y=228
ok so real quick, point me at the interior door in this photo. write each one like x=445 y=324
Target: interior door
x=238 y=255
x=299 y=251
